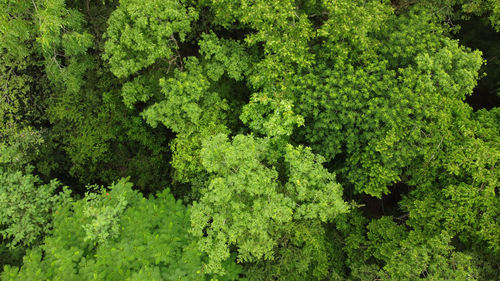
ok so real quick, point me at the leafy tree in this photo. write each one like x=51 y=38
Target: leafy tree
x=416 y=255
x=259 y=201
x=24 y=88
x=463 y=200
x=117 y=235
x=27 y=207
x=190 y=110
x=18 y=148
x=458 y=9
x=26 y=212
x=383 y=249
x=89 y=123
x=140 y=34
x=367 y=107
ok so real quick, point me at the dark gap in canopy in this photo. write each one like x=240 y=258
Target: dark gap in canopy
x=478 y=34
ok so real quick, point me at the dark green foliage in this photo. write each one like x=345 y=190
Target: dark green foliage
x=457 y=9
x=27 y=207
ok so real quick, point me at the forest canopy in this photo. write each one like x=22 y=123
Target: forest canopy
x=249 y=140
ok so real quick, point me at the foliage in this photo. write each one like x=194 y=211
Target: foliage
x=459 y=9
x=254 y=201
x=369 y=109
x=265 y=117
x=383 y=249
x=416 y=255
x=18 y=148
x=466 y=201
x=27 y=207
x=117 y=235
x=190 y=110
x=139 y=34
x=24 y=89
x=90 y=124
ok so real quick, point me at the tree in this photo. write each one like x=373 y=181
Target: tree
x=259 y=199
x=24 y=88
x=458 y=9
x=90 y=128
x=26 y=208
x=118 y=235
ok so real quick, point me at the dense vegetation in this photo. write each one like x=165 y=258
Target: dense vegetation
x=249 y=140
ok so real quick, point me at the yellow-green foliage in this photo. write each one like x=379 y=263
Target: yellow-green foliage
x=118 y=235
